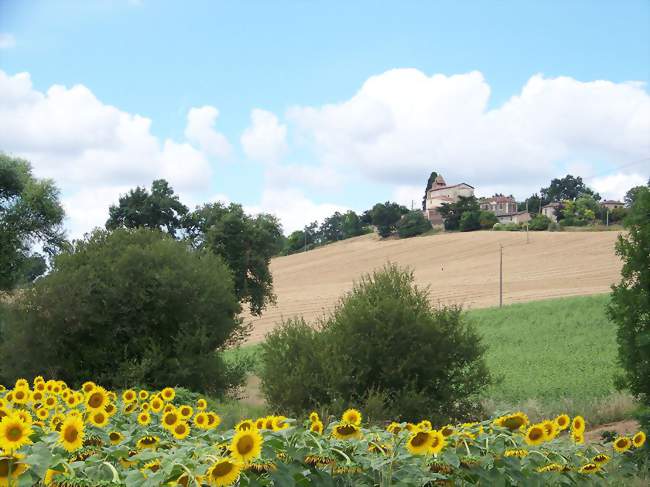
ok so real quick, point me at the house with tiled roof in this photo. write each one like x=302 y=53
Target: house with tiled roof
x=499 y=204
x=440 y=193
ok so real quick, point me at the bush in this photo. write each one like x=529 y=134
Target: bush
x=470 y=220
x=385 y=345
x=539 y=222
x=507 y=227
x=412 y=224
x=630 y=304
x=487 y=220
x=128 y=307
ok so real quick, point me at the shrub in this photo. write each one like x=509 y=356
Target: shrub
x=384 y=339
x=412 y=224
x=385 y=217
x=487 y=220
x=470 y=220
x=132 y=306
x=539 y=222
x=630 y=304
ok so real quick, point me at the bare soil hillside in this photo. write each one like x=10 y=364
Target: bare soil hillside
x=460 y=268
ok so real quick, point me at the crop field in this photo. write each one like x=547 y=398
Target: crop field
x=460 y=268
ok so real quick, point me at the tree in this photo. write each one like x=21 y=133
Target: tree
x=487 y=220
x=432 y=178
x=30 y=215
x=580 y=212
x=331 y=230
x=452 y=212
x=631 y=195
x=351 y=225
x=567 y=188
x=244 y=242
x=539 y=222
x=385 y=217
x=127 y=307
x=412 y=224
x=630 y=304
x=160 y=209
x=532 y=204
x=384 y=340
x=469 y=221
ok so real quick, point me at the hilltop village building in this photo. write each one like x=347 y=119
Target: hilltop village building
x=440 y=193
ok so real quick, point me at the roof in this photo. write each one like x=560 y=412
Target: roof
x=611 y=202
x=554 y=204
x=500 y=199
x=513 y=214
x=452 y=186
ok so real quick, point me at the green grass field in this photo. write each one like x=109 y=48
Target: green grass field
x=548 y=356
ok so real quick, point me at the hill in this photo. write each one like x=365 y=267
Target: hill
x=460 y=268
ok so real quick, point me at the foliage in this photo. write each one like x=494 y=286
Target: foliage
x=566 y=188
x=278 y=451
x=630 y=305
x=412 y=224
x=385 y=217
x=452 y=213
x=245 y=243
x=617 y=215
x=161 y=209
x=579 y=212
x=131 y=306
x=383 y=338
x=539 y=222
x=630 y=196
x=469 y=221
x=487 y=219
x=508 y=227
x=432 y=178
x=532 y=204
x=30 y=215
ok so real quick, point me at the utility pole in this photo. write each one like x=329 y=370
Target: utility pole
x=607 y=218
x=305 y=240
x=500 y=275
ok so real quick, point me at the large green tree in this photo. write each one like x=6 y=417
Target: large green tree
x=31 y=216
x=127 y=307
x=159 y=209
x=630 y=303
x=452 y=213
x=566 y=188
x=432 y=178
x=386 y=215
x=246 y=244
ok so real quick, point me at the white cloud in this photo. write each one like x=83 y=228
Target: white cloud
x=615 y=186
x=408 y=195
x=265 y=140
x=293 y=208
x=402 y=124
x=200 y=130
x=91 y=149
x=7 y=41
x=304 y=176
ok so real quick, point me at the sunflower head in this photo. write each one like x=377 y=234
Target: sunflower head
x=224 y=471
x=622 y=444
x=394 y=428
x=129 y=395
x=245 y=425
x=601 y=459
x=144 y=418
x=425 y=425
x=313 y=416
x=246 y=445
x=99 y=418
x=115 y=437
x=97 y=398
x=419 y=442
x=168 y=394
x=201 y=404
x=14 y=433
x=185 y=411
x=578 y=424
x=351 y=416
x=170 y=419
x=11 y=463
x=562 y=421
x=71 y=435
x=535 y=435
x=550 y=430
x=214 y=420
x=180 y=430
x=150 y=442
x=589 y=468
x=438 y=443
x=316 y=427
x=638 y=440
x=346 y=431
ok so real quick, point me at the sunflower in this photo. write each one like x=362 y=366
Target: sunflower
x=551 y=467
x=156 y=404
x=562 y=421
x=201 y=404
x=447 y=431
x=578 y=424
x=425 y=425
x=535 y=435
x=152 y=466
x=246 y=445
x=438 y=443
x=638 y=440
x=72 y=433
x=169 y=407
x=130 y=407
x=245 y=425
x=115 y=437
x=148 y=442
x=37 y=396
x=168 y=394
x=514 y=452
x=88 y=386
x=97 y=398
x=170 y=419
x=21 y=396
x=316 y=427
x=577 y=438
x=21 y=384
x=223 y=472
x=419 y=442
x=56 y=422
x=13 y=464
x=622 y=444
x=185 y=411
x=589 y=468
x=24 y=415
x=71 y=400
x=144 y=418
x=513 y=421
x=180 y=430
x=313 y=417
x=601 y=459
x=279 y=423
x=145 y=406
x=14 y=433
x=43 y=413
x=550 y=430
x=260 y=423
x=143 y=395
x=268 y=422
x=110 y=409
x=99 y=418
x=214 y=420
x=129 y=395
x=346 y=431
x=201 y=420
x=51 y=474
x=351 y=416
x=394 y=428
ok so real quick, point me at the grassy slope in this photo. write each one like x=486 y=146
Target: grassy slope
x=548 y=356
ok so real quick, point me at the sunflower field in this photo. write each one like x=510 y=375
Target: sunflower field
x=53 y=435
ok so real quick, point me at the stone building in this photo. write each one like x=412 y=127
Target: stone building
x=611 y=204
x=549 y=211
x=499 y=204
x=440 y=193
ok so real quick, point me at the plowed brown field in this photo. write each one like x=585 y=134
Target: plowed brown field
x=460 y=268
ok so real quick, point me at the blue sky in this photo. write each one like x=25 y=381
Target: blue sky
x=293 y=58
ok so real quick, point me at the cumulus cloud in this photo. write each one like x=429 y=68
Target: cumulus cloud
x=7 y=41
x=266 y=139
x=293 y=208
x=90 y=148
x=402 y=124
x=614 y=186
x=200 y=130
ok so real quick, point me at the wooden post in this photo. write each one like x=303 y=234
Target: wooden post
x=500 y=275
